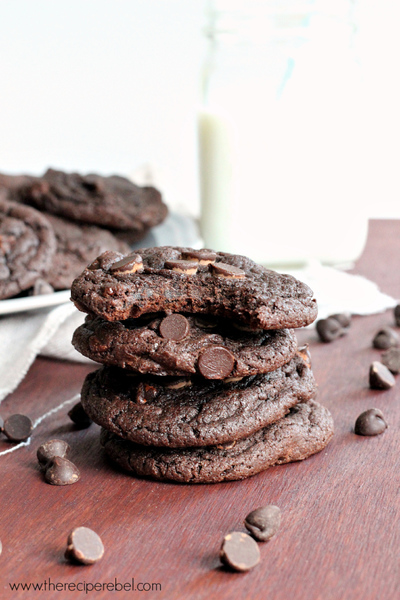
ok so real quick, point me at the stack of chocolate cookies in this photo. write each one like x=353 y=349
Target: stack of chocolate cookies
x=202 y=380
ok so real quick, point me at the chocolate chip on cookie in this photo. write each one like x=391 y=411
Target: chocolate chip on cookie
x=222 y=269
x=174 y=327
x=188 y=267
x=203 y=257
x=216 y=362
x=130 y=264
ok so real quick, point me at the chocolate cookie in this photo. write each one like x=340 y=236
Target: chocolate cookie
x=27 y=247
x=77 y=246
x=113 y=202
x=183 y=280
x=305 y=430
x=183 y=413
x=12 y=184
x=184 y=344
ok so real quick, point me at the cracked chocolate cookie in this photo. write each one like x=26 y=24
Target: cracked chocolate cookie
x=183 y=345
x=77 y=245
x=113 y=202
x=186 y=413
x=183 y=280
x=305 y=430
x=27 y=247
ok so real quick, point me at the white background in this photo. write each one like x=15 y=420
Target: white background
x=113 y=85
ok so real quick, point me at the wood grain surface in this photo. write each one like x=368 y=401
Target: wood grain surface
x=340 y=532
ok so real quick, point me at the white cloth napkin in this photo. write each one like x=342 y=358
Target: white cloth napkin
x=49 y=331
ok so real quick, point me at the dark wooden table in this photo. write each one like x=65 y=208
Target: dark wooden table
x=340 y=533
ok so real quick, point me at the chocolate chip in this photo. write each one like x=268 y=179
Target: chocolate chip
x=397 y=315
x=239 y=551
x=305 y=354
x=84 y=546
x=174 y=327
x=78 y=415
x=178 y=383
x=188 y=267
x=391 y=360
x=145 y=393
x=264 y=522
x=50 y=449
x=203 y=257
x=216 y=362
x=385 y=338
x=61 y=471
x=370 y=422
x=380 y=378
x=222 y=269
x=17 y=428
x=329 y=329
x=343 y=318
x=132 y=263
x=208 y=322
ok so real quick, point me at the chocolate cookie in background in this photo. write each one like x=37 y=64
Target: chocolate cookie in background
x=77 y=245
x=11 y=185
x=112 y=202
x=180 y=412
x=304 y=431
x=27 y=247
x=184 y=345
x=184 y=280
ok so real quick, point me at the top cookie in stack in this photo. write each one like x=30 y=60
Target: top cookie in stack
x=219 y=389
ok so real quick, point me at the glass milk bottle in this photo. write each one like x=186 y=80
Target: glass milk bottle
x=281 y=132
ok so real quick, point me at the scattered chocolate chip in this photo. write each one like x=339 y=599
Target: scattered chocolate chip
x=208 y=322
x=41 y=287
x=84 y=546
x=264 y=522
x=17 y=428
x=203 y=257
x=343 y=318
x=329 y=329
x=50 y=449
x=239 y=551
x=179 y=383
x=216 y=362
x=78 y=415
x=380 y=378
x=188 y=267
x=385 y=338
x=305 y=354
x=397 y=315
x=222 y=269
x=174 y=327
x=61 y=471
x=391 y=360
x=370 y=422
x=132 y=263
